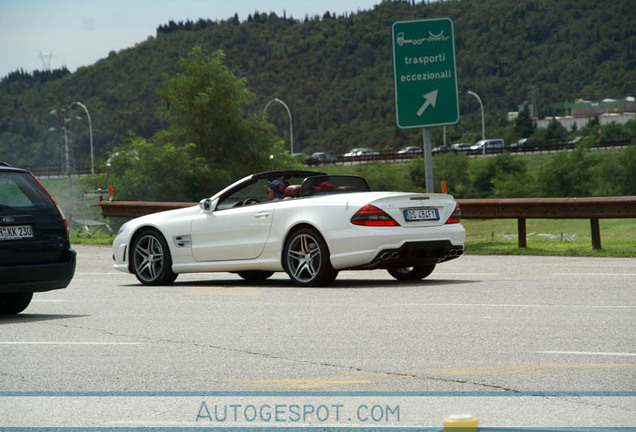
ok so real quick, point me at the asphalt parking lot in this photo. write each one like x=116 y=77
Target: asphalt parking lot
x=478 y=324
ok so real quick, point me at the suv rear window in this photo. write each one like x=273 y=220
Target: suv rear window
x=21 y=191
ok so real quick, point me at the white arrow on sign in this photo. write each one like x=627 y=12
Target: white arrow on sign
x=431 y=99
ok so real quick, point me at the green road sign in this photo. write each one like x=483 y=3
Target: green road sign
x=425 y=73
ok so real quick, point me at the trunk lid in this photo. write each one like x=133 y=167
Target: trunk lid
x=417 y=210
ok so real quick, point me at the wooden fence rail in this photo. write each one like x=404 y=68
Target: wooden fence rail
x=592 y=208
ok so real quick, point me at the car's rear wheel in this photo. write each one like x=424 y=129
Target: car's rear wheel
x=254 y=275
x=14 y=303
x=411 y=273
x=151 y=260
x=307 y=259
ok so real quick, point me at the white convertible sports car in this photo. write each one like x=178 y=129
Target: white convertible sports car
x=321 y=225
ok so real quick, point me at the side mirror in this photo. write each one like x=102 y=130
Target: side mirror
x=206 y=204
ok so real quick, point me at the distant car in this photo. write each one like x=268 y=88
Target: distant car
x=351 y=153
x=361 y=152
x=35 y=251
x=461 y=147
x=525 y=144
x=320 y=158
x=367 y=152
x=488 y=146
x=133 y=154
x=573 y=142
x=411 y=150
x=326 y=223
x=442 y=149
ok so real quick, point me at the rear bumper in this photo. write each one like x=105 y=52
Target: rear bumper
x=412 y=254
x=38 y=277
x=366 y=247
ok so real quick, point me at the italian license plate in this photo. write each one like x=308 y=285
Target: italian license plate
x=16 y=232
x=413 y=215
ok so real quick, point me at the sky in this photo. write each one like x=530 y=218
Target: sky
x=36 y=34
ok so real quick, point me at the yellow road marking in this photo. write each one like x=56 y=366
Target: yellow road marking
x=306 y=383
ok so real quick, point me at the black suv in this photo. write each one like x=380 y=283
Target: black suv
x=35 y=251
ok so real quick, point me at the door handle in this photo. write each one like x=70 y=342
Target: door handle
x=262 y=215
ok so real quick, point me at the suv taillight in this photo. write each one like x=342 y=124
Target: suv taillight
x=59 y=209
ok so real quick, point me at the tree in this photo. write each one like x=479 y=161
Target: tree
x=555 y=131
x=524 y=126
x=612 y=131
x=140 y=169
x=504 y=172
x=619 y=173
x=453 y=169
x=210 y=142
x=566 y=174
x=206 y=106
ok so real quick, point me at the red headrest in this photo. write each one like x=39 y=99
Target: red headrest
x=292 y=191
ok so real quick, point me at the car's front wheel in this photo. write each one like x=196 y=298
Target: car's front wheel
x=14 y=303
x=307 y=259
x=411 y=273
x=151 y=261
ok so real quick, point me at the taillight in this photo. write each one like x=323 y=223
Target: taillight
x=456 y=217
x=372 y=216
x=66 y=230
x=59 y=209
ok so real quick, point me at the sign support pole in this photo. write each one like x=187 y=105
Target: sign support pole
x=428 y=161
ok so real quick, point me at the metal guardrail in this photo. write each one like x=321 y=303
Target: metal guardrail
x=133 y=209
x=593 y=208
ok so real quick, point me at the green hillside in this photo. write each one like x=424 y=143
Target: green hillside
x=335 y=73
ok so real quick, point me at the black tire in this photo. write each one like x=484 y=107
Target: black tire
x=14 y=303
x=151 y=260
x=411 y=273
x=306 y=259
x=255 y=276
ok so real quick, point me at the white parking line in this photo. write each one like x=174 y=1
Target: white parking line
x=517 y=305
x=69 y=343
x=593 y=274
x=588 y=353
x=102 y=273
x=48 y=301
x=465 y=274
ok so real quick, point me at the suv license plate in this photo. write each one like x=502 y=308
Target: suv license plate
x=16 y=232
x=412 y=215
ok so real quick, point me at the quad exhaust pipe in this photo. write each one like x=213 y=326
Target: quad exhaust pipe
x=455 y=252
x=395 y=255
x=390 y=256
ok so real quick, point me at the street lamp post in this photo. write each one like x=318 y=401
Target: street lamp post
x=90 y=131
x=65 y=120
x=483 y=124
x=66 y=150
x=291 y=128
